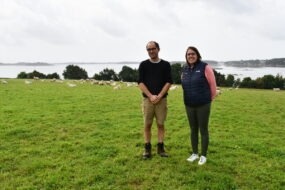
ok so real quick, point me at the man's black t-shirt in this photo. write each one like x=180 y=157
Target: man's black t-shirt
x=155 y=75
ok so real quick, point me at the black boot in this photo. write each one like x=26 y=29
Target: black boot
x=147 y=153
x=160 y=150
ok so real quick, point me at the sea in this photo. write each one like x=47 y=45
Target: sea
x=12 y=70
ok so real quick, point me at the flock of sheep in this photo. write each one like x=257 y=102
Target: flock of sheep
x=73 y=83
x=116 y=85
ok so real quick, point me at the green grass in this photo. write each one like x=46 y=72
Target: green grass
x=91 y=137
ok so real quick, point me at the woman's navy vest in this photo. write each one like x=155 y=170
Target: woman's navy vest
x=196 y=88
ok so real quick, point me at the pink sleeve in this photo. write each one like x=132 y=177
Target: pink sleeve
x=210 y=76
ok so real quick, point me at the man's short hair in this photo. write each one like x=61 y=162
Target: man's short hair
x=155 y=43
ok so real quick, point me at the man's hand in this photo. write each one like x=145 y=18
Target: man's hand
x=153 y=98
x=158 y=98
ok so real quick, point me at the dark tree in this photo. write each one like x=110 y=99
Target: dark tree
x=106 y=74
x=230 y=80
x=268 y=81
x=245 y=83
x=53 y=76
x=22 y=75
x=36 y=74
x=279 y=82
x=128 y=74
x=237 y=83
x=220 y=78
x=248 y=83
x=74 y=72
x=176 y=70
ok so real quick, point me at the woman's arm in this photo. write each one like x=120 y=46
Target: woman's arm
x=210 y=76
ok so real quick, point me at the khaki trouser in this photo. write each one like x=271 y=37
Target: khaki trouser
x=159 y=111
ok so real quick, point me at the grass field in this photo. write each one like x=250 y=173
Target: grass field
x=53 y=136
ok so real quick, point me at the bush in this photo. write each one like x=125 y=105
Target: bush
x=74 y=72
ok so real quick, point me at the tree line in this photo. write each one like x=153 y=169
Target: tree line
x=128 y=74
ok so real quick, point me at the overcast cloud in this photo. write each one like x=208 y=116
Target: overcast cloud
x=118 y=30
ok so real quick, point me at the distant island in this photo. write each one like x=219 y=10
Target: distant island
x=27 y=64
x=276 y=62
x=65 y=63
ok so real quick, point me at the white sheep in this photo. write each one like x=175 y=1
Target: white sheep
x=117 y=87
x=71 y=85
x=129 y=84
x=113 y=84
x=28 y=82
x=218 y=92
x=173 y=87
x=59 y=81
x=4 y=81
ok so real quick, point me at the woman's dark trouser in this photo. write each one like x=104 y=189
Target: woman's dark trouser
x=198 y=117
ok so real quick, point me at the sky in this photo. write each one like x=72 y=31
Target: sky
x=118 y=30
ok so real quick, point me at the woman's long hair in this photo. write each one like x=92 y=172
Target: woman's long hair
x=196 y=51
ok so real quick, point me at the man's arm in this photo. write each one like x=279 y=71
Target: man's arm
x=142 y=86
x=167 y=85
x=162 y=92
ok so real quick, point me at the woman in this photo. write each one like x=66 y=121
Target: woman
x=199 y=89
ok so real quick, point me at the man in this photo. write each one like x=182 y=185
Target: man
x=154 y=81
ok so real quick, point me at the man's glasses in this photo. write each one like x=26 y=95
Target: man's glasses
x=191 y=54
x=151 y=49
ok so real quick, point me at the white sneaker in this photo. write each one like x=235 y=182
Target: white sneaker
x=202 y=160
x=193 y=157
